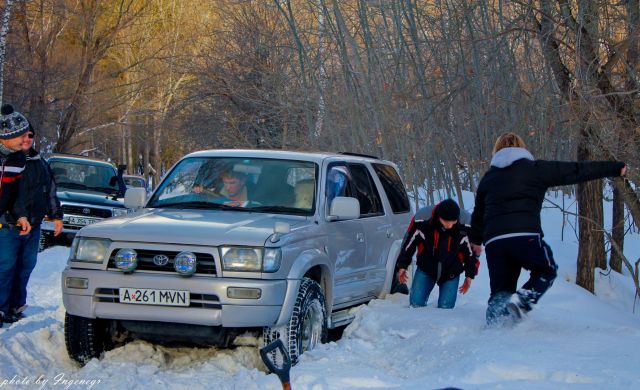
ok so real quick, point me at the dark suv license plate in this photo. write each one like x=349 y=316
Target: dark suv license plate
x=152 y=296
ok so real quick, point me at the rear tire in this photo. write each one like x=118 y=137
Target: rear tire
x=86 y=338
x=307 y=326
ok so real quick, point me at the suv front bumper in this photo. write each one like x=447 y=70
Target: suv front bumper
x=209 y=302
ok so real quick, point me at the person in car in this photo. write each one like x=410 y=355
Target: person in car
x=14 y=224
x=443 y=253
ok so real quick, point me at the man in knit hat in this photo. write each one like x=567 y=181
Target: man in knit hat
x=13 y=134
x=442 y=254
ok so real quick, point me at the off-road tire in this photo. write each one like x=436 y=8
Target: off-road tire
x=310 y=300
x=46 y=241
x=86 y=338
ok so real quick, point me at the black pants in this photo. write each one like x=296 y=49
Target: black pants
x=505 y=259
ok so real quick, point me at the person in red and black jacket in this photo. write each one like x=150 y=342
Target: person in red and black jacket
x=443 y=253
x=13 y=134
x=506 y=219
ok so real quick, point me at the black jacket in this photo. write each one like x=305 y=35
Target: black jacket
x=11 y=171
x=442 y=254
x=510 y=195
x=40 y=190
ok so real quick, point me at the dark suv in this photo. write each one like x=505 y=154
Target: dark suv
x=89 y=190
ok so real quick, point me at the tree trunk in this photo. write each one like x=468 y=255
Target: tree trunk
x=4 y=30
x=617 y=226
x=591 y=236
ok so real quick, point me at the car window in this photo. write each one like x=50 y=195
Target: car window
x=338 y=184
x=134 y=182
x=366 y=192
x=86 y=176
x=393 y=187
x=253 y=184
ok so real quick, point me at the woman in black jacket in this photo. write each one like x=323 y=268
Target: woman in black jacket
x=443 y=253
x=506 y=219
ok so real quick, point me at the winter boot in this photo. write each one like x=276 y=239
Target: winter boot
x=525 y=299
x=496 y=310
x=15 y=315
x=515 y=313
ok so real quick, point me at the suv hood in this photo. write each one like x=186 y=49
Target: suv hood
x=88 y=197
x=191 y=227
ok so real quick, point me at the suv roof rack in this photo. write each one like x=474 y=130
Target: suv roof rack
x=73 y=155
x=360 y=155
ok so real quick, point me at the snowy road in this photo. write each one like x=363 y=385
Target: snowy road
x=573 y=339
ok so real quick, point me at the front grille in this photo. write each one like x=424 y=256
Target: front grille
x=198 y=301
x=206 y=264
x=81 y=210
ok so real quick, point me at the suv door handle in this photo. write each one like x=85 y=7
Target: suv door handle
x=360 y=237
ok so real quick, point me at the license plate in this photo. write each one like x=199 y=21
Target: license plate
x=82 y=221
x=150 y=296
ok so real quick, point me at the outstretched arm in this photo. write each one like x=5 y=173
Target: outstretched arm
x=558 y=173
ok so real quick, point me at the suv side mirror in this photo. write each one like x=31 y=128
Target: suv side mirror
x=135 y=198
x=343 y=208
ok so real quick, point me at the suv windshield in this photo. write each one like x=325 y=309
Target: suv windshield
x=84 y=176
x=255 y=184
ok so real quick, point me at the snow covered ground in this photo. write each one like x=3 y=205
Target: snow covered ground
x=573 y=339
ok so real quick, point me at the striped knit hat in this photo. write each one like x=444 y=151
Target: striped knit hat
x=12 y=123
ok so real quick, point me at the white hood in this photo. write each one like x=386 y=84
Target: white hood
x=507 y=156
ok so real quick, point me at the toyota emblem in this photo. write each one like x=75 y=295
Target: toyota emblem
x=86 y=211
x=160 y=260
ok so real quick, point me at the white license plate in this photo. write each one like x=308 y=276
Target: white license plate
x=82 y=221
x=151 y=296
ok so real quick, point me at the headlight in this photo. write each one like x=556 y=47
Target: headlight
x=119 y=211
x=271 y=261
x=241 y=259
x=185 y=263
x=251 y=259
x=126 y=260
x=90 y=250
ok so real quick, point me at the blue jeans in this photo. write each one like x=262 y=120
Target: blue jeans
x=17 y=259
x=422 y=286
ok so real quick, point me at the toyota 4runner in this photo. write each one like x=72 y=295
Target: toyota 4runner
x=89 y=190
x=278 y=243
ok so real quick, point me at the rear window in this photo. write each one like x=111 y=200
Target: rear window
x=393 y=187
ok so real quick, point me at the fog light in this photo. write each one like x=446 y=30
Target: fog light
x=76 y=283
x=126 y=260
x=244 y=293
x=185 y=263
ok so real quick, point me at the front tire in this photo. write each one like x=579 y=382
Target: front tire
x=307 y=326
x=46 y=240
x=86 y=338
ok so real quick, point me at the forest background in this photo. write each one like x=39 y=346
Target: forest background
x=426 y=84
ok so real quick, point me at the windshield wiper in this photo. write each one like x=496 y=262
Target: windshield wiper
x=69 y=184
x=107 y=190
x=198 y=205
x=279 y=209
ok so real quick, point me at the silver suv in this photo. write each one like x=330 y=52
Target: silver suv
x=236 y=241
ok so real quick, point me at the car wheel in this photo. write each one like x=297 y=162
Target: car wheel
x=307 y=326
x=46 y=241
x=86 y=338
